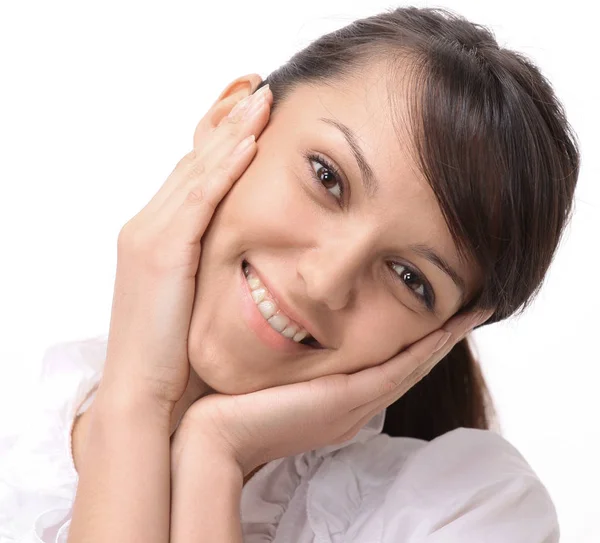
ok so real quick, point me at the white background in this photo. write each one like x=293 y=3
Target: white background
x=99 y=100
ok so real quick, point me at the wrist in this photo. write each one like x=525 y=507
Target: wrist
x=206 y=490
x=193 y=452
x=116 y=404
x=192 y=440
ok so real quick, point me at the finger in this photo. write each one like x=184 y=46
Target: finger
x=217 y=145
x=370 y=384
x=219 y=111
x=202 y=198
x=203 y=182
x=368 y=410
x=181 y=169
x=459 y=327
x=374 y=382
x=249 y=116
x=247 y=120
x=365 y=417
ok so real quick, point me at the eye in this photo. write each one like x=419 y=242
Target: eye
x=327 y=176
x=417 y=284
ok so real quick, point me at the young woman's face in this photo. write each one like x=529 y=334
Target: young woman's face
x=350 y=264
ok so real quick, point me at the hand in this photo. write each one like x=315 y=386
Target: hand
x=158 y=257
x=281 y=421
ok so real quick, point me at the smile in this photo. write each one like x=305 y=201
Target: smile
x=275 y=317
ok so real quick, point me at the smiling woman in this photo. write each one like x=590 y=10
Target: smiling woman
x=409 y=172
x=479 y=133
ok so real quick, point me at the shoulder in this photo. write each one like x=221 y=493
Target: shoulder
x=466 y=458
x=37 y=476
x=473 y=485
x=466 y=485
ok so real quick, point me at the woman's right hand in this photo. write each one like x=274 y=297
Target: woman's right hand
x=158 y=253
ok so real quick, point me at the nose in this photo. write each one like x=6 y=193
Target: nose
x=330 y=271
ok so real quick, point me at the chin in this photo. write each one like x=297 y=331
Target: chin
x=225 y=373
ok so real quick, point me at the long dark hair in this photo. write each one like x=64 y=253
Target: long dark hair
x=499 y=155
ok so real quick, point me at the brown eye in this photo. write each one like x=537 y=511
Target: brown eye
x=327 y=176
x=415 y=282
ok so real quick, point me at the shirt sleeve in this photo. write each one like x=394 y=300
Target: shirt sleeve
x=467 y=486
x=37 y=477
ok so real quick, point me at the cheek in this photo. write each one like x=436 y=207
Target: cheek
x=379 y=333
x=267 y=204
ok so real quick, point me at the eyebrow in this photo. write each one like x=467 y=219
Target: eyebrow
x=371 y=186
x=369 y=180
x=429 y=253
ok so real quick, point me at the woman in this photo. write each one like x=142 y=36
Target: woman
x=410 y=180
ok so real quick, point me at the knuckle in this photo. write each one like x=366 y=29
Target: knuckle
x=388 y=382
x=196 y=168
x=200 y=194
x=231 y=122
x=128 y=236
x=139 y=248
x=185 y=162
x=196 y=193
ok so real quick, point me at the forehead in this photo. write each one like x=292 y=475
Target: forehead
x=374 y=107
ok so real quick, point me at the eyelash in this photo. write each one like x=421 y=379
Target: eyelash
x=427 y=297
x=328 y=166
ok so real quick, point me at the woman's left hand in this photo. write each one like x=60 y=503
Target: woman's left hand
x=253 y=429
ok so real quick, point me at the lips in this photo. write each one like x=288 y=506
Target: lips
x=310 y=340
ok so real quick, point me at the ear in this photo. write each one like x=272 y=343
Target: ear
x=235 y=91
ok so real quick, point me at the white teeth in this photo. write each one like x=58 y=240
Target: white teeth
x=254 y=282
x=258 y=295
x=290 y=331
x=279 y=322
x=267 y=309
x=300 y=335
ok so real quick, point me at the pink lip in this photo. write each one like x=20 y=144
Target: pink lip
x=282 y=303
x=261 y=328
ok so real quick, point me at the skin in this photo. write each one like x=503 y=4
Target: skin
x=331 y=269
x=329 y=262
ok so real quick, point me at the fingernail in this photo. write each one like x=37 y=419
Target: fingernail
x=260 y=99
x=262 y=91
x=442 y=341
x=240 y=107
x=479 y=319
x=250 y=104
x=469 y=324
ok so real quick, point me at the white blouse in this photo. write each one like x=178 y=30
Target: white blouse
x=464 y=486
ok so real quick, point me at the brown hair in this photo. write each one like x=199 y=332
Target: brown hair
x=499 y=155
